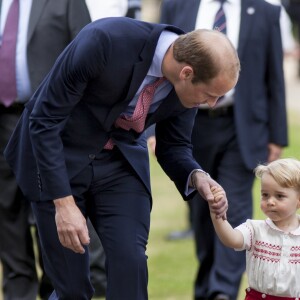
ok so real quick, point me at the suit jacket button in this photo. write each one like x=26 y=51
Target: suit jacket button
x=92 y=156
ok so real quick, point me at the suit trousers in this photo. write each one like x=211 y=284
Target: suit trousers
x=16 y=247
x=217 y=151
x=118 y=204
x=97 y=262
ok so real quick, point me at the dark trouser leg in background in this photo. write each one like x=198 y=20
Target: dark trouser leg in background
x=16 y=248
x=97 y=263
x=216 y=149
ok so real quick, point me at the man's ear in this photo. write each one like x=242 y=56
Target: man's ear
x=186 y=73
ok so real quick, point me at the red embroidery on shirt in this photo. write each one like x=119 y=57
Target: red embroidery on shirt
x=267 y=252
x=295 y=248
x=268 y=245
x=295 y=255
x=294 y=261
x=266 y=258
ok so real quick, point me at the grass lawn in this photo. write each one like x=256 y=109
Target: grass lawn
x=172 y=265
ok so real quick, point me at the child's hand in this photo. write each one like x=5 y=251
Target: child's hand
x=218 y=193
x=220 y=199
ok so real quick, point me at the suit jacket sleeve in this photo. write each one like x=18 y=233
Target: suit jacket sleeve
x=174 y=148
x=90 y=84
x=57 y=96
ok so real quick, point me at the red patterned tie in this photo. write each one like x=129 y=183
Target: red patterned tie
x=138 y=118
x=8 y=90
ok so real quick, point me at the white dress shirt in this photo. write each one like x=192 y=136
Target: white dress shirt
x=232 y=9
x=155 y=71
x=107 y=8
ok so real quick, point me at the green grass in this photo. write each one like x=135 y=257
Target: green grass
x=172 y=265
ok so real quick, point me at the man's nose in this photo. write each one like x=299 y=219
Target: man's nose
x=212 y=102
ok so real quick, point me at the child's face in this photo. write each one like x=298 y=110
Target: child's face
x=278 y=203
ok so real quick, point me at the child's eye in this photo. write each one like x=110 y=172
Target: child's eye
x=264 y=195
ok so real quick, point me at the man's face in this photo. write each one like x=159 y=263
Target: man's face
x=193 y=95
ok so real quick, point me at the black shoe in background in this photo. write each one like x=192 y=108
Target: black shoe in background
x=180 y=235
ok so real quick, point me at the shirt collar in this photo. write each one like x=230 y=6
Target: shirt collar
x=164 y=42
x=272 y=225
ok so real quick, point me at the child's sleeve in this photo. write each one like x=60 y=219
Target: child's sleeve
x=248 y=233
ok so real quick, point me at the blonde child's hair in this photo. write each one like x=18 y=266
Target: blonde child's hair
x=285 y=171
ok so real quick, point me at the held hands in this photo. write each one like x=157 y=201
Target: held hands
x=219 y=198
x=229 y=236
x=219 y=195
x=71 y=225
x=205 y=184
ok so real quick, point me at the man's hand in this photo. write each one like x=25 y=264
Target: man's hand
x=151 y=144
x=275 y=152
x=203 y=183
x=71 y=224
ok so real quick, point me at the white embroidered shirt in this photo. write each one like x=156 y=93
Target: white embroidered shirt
x=272 y=258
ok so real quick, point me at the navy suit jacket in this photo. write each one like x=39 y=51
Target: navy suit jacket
x=72 y=114
x=259 y=100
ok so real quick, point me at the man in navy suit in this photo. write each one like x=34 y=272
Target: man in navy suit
x=69 y=149
x=246 y=127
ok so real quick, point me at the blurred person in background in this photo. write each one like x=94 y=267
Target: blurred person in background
x=289 y=43
x=134 y=9
x=247 y=126
x=293 y=9
x=33 y=34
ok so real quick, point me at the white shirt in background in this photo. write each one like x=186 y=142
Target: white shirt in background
x=107 y=8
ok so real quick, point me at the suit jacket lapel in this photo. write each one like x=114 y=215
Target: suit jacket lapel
x=171 y=105
x=35 y=13
x=248 y=11
x=139 y=72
